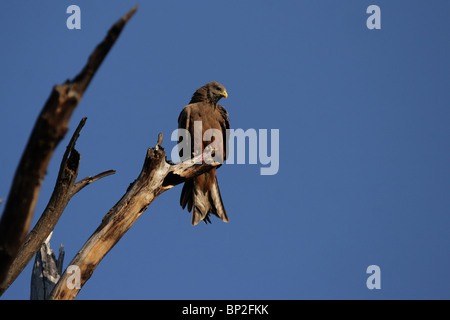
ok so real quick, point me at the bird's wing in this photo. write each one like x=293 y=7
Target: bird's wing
x=224 y=124
x=183 y=123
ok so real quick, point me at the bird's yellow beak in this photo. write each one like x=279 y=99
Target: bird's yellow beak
x=224 y=93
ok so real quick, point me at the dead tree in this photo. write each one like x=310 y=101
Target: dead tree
x=17 y=248
x=50 y=128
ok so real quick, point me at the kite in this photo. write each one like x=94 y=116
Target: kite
x=201 y=194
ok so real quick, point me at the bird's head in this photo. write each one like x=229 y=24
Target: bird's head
x=211 y=92
x=215 y=91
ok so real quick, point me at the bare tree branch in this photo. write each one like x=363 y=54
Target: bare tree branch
x=88 y=180
x=157 y=176
x=50 y=127
x=65 y=189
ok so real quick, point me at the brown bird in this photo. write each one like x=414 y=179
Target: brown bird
x=202 y=192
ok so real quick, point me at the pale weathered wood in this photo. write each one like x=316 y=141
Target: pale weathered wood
x=65 y=189
x=50 y=127
x=46 y=271
x=157 y=176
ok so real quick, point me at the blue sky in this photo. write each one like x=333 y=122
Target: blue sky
x=363 y=117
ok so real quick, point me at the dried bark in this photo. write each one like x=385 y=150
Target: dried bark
x=50 y=127
x=157 y=176
x=47 y=270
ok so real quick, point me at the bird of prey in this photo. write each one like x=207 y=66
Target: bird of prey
x=201 y=194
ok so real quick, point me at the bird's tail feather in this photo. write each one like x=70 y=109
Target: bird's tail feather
x=203 y=202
